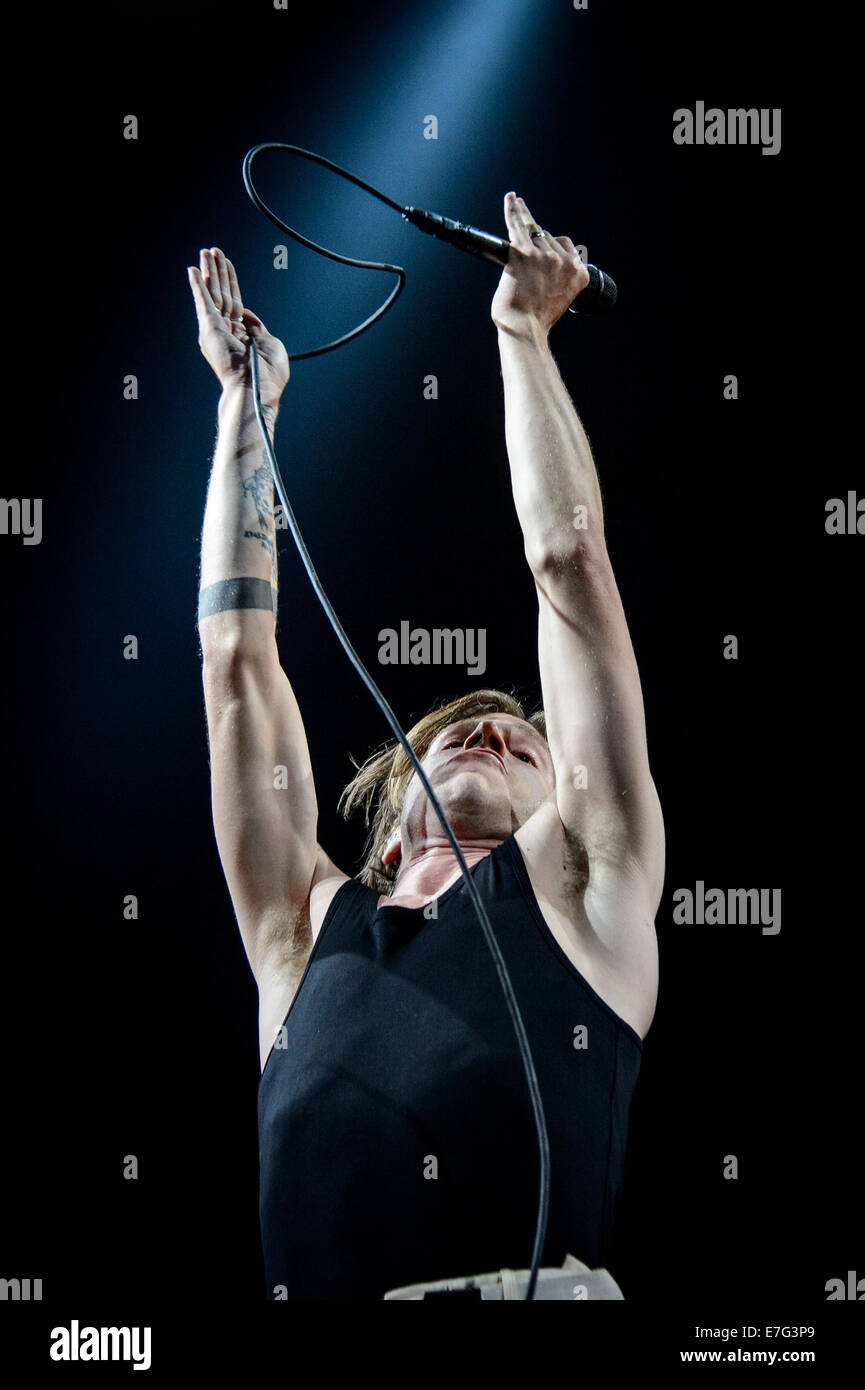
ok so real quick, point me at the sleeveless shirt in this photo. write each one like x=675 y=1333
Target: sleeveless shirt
x=397 y=1141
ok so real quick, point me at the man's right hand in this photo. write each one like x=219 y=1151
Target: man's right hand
x=225 y=328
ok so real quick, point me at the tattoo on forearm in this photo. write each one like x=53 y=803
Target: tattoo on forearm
x=263 y=537
x=258 y=488
x=236 y=593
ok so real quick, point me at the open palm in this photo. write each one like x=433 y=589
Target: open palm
x=225 y=328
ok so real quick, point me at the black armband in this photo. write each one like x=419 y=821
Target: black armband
x=236 y=593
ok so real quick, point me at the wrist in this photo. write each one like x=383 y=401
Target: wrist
x=523 y=329
x=238 y=394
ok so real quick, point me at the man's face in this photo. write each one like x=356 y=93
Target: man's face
x=489 y=772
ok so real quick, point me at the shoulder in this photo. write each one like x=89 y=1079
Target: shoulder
x=600 y=911
x=572 y=867
x=321 y=896
x=282 y=963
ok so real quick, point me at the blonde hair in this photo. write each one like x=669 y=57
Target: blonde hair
x=381 y=782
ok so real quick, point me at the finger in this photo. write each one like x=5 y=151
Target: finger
x=203 y=302
x=544 y=242
x=573 y=255
x=540 y=243
x=252 y=323
x=517 y=232
x=236 y=301
x=557 y=245
x=224 y=285
x=524 y=212
x=211 y=277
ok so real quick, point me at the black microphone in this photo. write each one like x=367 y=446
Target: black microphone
x=598 y=297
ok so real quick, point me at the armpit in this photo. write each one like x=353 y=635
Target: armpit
x=575 y=863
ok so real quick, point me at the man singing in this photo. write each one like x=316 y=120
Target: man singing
x=397 y=1140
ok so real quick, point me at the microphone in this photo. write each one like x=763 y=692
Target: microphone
x=598 y=297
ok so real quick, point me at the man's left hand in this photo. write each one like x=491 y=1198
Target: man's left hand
x=543 y=276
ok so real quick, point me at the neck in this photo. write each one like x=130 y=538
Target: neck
x=432 y=866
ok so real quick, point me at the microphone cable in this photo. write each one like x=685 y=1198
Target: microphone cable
x=471 y=887
x=323 y=250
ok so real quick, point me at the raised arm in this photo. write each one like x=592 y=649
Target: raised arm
x=264 y=805
x=589 y=679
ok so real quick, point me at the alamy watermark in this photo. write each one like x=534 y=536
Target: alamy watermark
x=728 y=907
x=20 y=1290
x=845 y=517
x=739 y=126
x=21 y=516
x=443 y=646
x=75 y=1343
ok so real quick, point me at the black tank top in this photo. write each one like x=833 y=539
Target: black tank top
x=396 y=1137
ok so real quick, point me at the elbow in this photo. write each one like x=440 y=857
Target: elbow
x=235 y=639
x=578 y=558
x=220 y=653
x=227 y=661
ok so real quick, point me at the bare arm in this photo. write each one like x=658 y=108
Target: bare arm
x=589 y=678
x=264 y=805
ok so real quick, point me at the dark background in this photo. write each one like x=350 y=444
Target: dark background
x=140 y=1037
